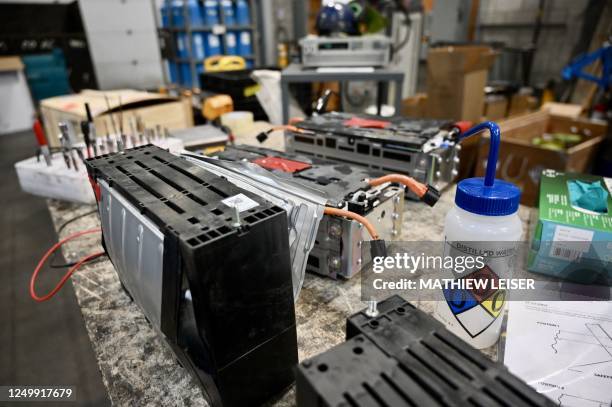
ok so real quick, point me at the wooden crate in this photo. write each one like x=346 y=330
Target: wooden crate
x=152 y=108
x=521 y=162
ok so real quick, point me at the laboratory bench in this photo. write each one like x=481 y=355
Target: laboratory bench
x=138 y=367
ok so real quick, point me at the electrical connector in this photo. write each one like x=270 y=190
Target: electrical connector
x=431 y=196
x=261 y=137
x=378 y=248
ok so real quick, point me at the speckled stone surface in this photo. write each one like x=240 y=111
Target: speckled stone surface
x=138 y=368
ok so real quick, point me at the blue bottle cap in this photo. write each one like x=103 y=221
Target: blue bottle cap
x=502 y=198
x=488 y=196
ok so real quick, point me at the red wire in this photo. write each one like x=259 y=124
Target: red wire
x=66 y=276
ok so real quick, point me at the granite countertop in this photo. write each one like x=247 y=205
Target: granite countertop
x=137 y=366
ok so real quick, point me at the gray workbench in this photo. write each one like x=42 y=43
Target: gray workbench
x=296 y=73
x=138 y=368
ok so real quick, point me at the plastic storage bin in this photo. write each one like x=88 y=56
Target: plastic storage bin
x=198 y=47
x=211 y=12
x=213 y=45
x=227 y=8
x=243 y=13
x=195 y=12
x=177 y=14
x=245 y=47
x=231 y=43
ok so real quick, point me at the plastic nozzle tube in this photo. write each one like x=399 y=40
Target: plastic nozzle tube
x=495 y=133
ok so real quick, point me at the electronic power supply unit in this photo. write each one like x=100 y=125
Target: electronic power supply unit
x=424 y=149
x=337 y=249
x=208 y=263
x=347 y=51
x=404 y=357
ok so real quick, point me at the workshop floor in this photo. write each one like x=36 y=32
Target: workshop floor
x=40 y=343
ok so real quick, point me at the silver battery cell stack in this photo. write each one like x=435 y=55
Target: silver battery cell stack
x=336 y=250
x=423 y=149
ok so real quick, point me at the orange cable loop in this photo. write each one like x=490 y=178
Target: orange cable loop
x=415 y=186
x=352 y=215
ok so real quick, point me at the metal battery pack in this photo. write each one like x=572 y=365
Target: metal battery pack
x=209 y=265
x=354 y=51
x=404 y=357
x=421 y=148
x=337 y=247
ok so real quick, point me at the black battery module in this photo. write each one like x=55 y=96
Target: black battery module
x=404 y=357
x=208 y=263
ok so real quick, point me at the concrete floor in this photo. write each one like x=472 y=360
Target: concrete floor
x=40 y=343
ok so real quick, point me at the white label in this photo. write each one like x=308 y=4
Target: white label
x=231 y=40
x=213 y=40
x=218 y=29
x=569 y=234
x=240 y=201
x=245 y=38
x=570 y=243
x=477 y=317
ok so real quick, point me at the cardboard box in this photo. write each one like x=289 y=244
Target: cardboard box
x=456 y=77
x=415 y=106
x=521 y=162
x=153 y=108
x=563 y=109
x=496 y=107
x=9 y=64
x=569 y=241
x=521 y=104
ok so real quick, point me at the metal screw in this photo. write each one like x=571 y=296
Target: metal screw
x=335 y=230
x=236 y=222
x=335 y=262
x=372 y=310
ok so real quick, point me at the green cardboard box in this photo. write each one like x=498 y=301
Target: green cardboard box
x=573 y=236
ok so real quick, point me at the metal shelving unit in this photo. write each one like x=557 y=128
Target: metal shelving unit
x=169 y=37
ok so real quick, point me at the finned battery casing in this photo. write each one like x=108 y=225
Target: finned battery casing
x=420 y=148
x=220 y=293
x=404 y=357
